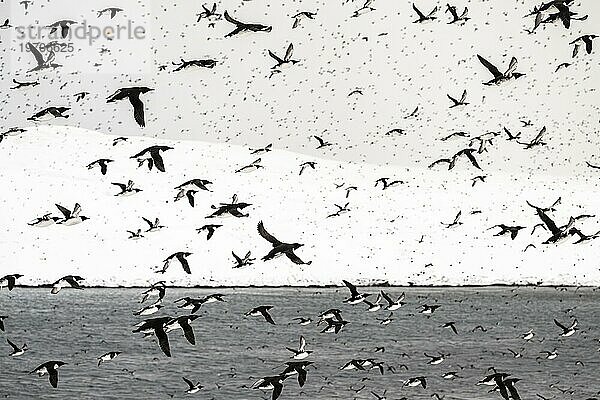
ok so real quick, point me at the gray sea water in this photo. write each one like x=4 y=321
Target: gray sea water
x=232 y=350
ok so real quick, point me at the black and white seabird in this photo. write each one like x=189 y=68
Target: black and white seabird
x=102 y=163
x=156 y=326
x=355 y=296
x=587 y=40
x=203 y=63
x=9 y=281
x=301 y=15
x=230 y=209
x=126 y=189
x=454 y=223
x=183 y=323
x=416 y=381
x=557 y=233
x=274 y=383
x=210 y=229
x=16 y=350
x=209 y=14
x=536 y=141
x=42 y=63
x=192 y=387
x=301 y=353
x=385 y=182
x=286 y=60
x=2 y=318
x=66 y=281
x=513 y=230
x=299 y=368
x=261 y=311
x=55 y=112
x=110 y=10
x=307 y=164
x=393 y=305
x=303 y=321
x=452 y=326
x=24 y=84
x=427 y=309
x=243 y=27
x=243 y=262
x=64 y=26
x=133 y=95
x=253 y=166
x=51 y=369
x=262 y=150
x=180 y=256
x=111 y=355
x=196 y=183
x=567 y=331
x=435 y=360
x=153 y=226
x=280 y=248
x=461 y=102
x=152 y=156
x=455 y=17
x=422 y=17
x=322 y=143
x=500 y=77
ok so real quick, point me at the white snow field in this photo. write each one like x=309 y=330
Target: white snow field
x=392 y=235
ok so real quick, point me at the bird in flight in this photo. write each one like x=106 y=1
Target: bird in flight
x=422 y=17
x=587 y=40
x=280 y=248
x=243 y=27
x=287 y=59
x=301 y=15
x=455 y=17
x=133 y=95
x=460 y=102
x=500 y=77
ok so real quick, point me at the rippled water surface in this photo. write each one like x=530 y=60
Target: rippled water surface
x=78 y=326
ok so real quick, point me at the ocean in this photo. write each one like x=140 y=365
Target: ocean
x=232 y=351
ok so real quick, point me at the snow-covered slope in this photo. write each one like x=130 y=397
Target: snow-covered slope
x=378 y=240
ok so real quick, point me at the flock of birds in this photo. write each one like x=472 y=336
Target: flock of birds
x=501 y=382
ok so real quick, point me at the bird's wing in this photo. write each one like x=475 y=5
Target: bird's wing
x=588 y=44
x=464 y=96
x=489 y=66
x=190 y=197
x=418 y=11
x=156 y=157
x=266 y=235
x=228 y=18
x=237 y=259
x=53 y=376
x=289 y=52
x=277 y=388
x=302 y=344
x=267 y=316
x=548 y=221
x=452 y=99
x=14 y=346
x=36 y=53
x=302 y=377
x=188 y=332
x=351 y=287
x=432 y=11
x=513 y=392
x=321 y=142
x=294 y=258
x=471 y=157
x=185 y=265
x=163 y=341
x=275 y=57
x=387 y=297
x=511 y=67
x=454 y=329
x=189 y=383
x=148 y=222
x=138 y=109
x=465 y=12
x=64 y=211
x=539 y=136
x=76 y=210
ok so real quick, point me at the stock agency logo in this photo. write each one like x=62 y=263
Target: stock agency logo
x=81 y=32
x=108 y=40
